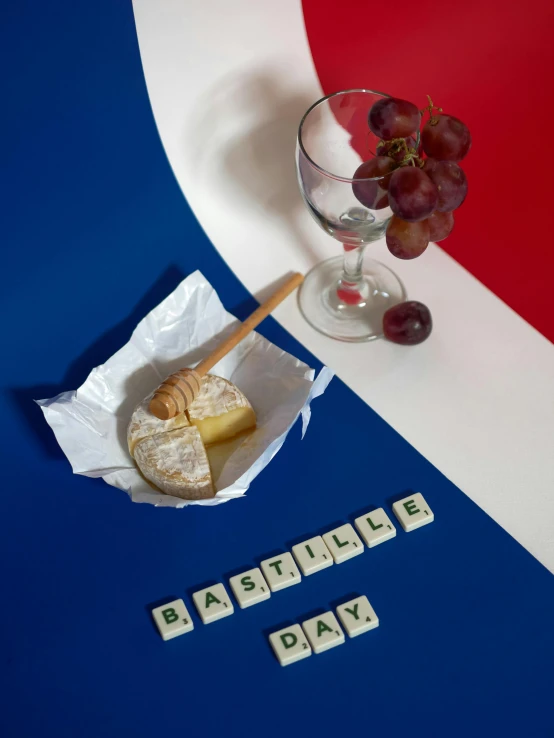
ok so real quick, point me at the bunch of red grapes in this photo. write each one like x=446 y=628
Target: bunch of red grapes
x=422 y=184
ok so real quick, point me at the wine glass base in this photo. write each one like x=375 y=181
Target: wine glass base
x=324 y=311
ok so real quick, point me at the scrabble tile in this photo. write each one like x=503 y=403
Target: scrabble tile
x=213 y=603
x=323 y=632
x=357 y=616
x=280 y=571
x=172 y=619
x=375 y=527
x=290 y=645
x=413 y=512
x=250 y=588
x=343 y=543
x=312 y=555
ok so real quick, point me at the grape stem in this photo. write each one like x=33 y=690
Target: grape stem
x=433 y=119
x=397 y=146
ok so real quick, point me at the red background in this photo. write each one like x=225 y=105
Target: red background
x=490 y=63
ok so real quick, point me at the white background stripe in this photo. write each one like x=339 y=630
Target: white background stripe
x=228 y=83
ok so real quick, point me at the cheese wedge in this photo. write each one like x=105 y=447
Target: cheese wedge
x=177 y=463
x=219 y=453
x=220 y=411
x=143 y=424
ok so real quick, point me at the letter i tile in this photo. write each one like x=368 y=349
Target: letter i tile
x=312 y=555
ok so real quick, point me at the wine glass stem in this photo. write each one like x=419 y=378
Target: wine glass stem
x=352 y=264
x=352 y=288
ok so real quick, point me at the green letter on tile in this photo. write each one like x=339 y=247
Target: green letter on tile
x=247 y=583
x=322 y=627
x=277 y=567
x=169 y=615
x=288 y=640
x=410 y=507
x=339 y=544
x=354 y=612
x=309 y=550
x=374 y=527
x=211 y=598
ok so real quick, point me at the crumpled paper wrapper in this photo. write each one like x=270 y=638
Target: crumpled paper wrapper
x=90 y=423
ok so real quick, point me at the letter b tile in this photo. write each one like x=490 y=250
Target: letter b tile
x=172 y=619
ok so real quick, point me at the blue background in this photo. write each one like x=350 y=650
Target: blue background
x=94 y=233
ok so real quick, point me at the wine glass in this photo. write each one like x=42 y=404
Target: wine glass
x=345 y=297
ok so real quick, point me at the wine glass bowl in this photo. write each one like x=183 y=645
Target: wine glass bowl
x=345 y=297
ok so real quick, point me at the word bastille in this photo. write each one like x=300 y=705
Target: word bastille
x=256 y=585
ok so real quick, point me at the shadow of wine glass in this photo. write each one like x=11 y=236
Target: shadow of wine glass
x=259 y=159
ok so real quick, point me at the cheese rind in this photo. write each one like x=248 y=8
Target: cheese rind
x=216 y=397
x=177 y=463
x=144 y=424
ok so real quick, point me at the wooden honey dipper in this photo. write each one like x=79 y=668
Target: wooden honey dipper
x=180 y=389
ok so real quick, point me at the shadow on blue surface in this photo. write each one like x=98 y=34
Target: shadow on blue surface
x=345 y=598
x=158 y=603
x=97 y=353
x=363 y=511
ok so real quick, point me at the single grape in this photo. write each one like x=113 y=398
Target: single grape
x=373 y=192
x=408 y=323
x=396 y=149
x=391 y=117
x=446 y=138
x=407 y=240
x=412 y=195
x=450 y=181
x=440 y=225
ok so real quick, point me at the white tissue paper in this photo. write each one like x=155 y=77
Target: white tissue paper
x=90 y=423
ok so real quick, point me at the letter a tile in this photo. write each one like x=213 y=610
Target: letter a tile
x=323 y=632
x=213 y=603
